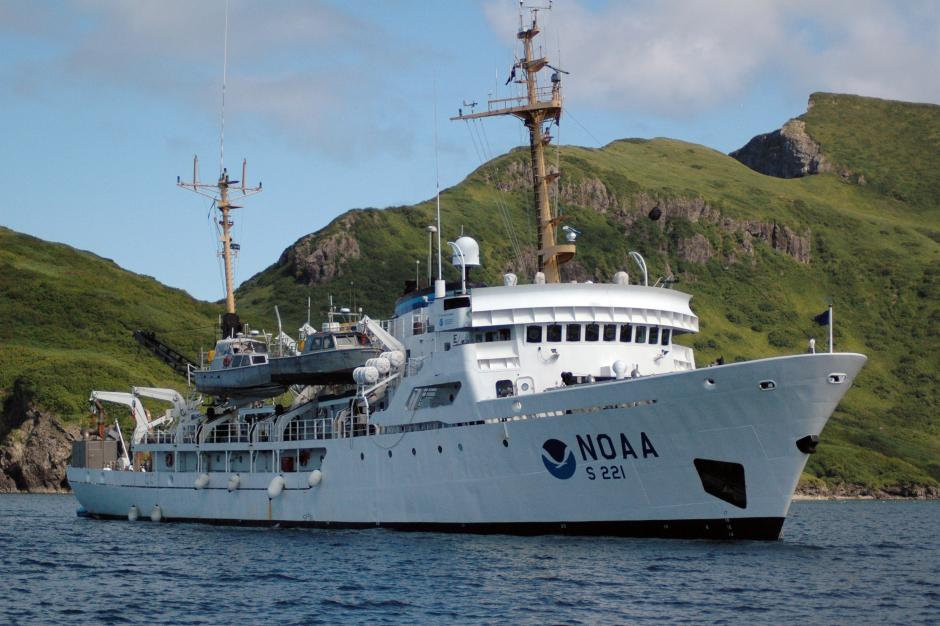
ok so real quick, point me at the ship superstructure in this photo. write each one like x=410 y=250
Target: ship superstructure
x=524 y=408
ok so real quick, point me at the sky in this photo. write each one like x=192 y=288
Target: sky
x=335 y=104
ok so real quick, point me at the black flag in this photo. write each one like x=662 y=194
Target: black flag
x=823 y=318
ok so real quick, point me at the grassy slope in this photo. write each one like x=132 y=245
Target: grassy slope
x=68 y=317
x=875 y=250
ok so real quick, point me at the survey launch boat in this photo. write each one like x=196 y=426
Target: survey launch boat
x=547 y=407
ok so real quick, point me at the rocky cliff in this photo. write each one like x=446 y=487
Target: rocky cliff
x=593 y=193
x=788 y=152
x=34 y=445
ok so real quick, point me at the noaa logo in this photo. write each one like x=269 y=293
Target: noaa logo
x=558 y=459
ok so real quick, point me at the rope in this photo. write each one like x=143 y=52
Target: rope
x=584 y=128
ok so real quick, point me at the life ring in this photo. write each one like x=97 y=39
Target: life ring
x=169 y=459
x=304 y=458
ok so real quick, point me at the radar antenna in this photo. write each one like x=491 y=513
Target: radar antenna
x=540 y=104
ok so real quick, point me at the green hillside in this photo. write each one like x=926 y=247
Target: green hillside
x=893 y=151
x=67 y=322
x=760 y=255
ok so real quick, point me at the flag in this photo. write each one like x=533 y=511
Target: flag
x=512 y=75
x=823 y=318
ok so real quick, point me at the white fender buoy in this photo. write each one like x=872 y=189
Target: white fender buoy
x=202 y=481
x=133 y=513
x=276 y=487
x=315 y=477
x=620 y=369
x=156 y=514
x=233 y=482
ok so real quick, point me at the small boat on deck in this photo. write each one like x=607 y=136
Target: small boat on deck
x=327 y=358
x=239 y=368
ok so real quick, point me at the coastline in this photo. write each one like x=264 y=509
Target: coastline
x=840 y=492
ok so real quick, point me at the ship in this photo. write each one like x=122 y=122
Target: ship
x=548 y=407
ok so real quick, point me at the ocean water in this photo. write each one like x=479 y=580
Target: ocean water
x=839 y=562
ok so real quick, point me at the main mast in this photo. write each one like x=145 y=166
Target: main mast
x=538 y=106
x=219 y=193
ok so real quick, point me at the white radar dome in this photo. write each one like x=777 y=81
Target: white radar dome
x=471 y=252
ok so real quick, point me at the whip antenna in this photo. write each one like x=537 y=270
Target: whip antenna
x=221 y=193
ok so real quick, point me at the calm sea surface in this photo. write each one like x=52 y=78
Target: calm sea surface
x=840 y=562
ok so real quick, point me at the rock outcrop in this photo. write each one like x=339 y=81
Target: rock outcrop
x=822 y=491
x=785 y=153
x=316 y=259
x=594 y=194
x=34 y=446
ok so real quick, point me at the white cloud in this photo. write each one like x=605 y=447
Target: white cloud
x=680 y=57
x=295 y=66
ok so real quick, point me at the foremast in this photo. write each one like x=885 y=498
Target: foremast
x=220 y=192
x=538 y=106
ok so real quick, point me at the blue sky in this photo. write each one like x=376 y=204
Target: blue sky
x=105 y=103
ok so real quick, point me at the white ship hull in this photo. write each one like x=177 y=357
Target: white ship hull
x=494 y=476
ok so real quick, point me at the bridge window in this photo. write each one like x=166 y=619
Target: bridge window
x=497 y=334
x=431 y=396
x=533 y=334
x=626 y=333
x=641 y=334
x=666 y=333
x=654 y=334
x=592 y=332
x=554 y=333
x=610 y=332
x=456 y=303
x=257 y=359
x=573 y=332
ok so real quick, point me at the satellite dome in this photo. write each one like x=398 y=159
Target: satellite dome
x=471 y=252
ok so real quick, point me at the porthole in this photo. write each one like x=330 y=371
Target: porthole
x=505 y=443
x=389 y=454
x=362 y=456
x=460 y=447
x=709 y=383
x=440 y=450
x=414 y=452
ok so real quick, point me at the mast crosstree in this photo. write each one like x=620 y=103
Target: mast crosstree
x=539 y=105
x=220 y=192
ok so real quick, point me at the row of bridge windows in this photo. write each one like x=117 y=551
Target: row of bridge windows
x=625 y=333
